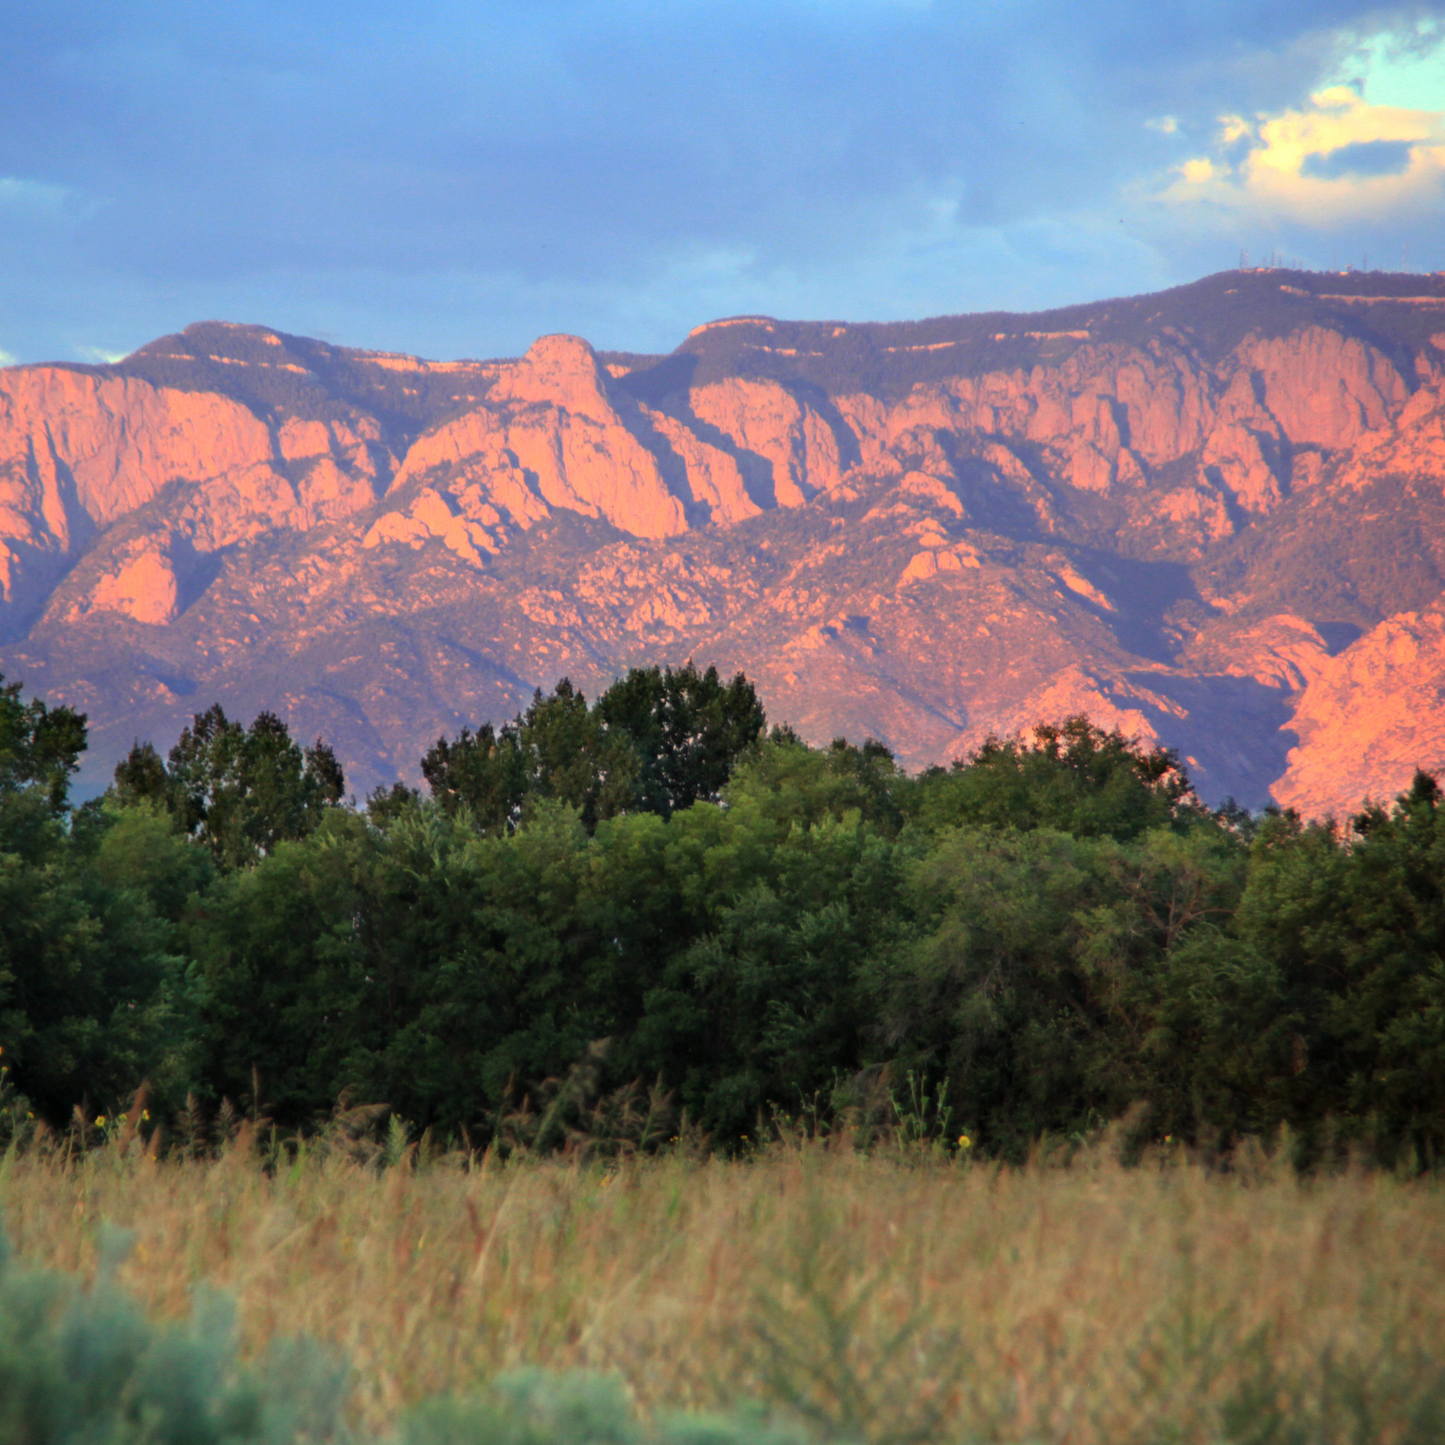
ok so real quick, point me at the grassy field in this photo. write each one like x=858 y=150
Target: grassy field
x=881 y=1298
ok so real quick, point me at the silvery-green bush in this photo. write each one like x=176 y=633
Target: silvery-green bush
x=85 y=1366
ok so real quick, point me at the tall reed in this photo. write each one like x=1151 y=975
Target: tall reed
x=892 y=1298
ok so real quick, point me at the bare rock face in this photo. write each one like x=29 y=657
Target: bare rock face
x=793 y=451
x=1214 y=517
x=430 y=515
x=145 y=588
x=551 y=438
x=111 y=443
x=1411 y=444
x=713 y=474
x=1369 y=718
x=1324 y=389
x=78 y=452
x=1282 y=651
x=479 y=469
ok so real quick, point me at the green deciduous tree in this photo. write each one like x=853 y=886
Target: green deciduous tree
x=238 y=790
x=40 y=746
x=1072 y=776
x=92 y=999
x=1354 y=922
x=657 y=740
x=687 y=728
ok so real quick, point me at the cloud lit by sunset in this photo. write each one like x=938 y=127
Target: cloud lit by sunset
x=1332 y=160
x=464 y=177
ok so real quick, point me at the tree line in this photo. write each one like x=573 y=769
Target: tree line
x=1048 y=935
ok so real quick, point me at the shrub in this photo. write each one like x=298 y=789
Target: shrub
x=86 y=1365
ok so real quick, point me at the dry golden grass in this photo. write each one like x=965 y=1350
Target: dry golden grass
x=887 y=1299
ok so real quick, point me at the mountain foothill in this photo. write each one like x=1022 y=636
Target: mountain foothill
x=1212 y=517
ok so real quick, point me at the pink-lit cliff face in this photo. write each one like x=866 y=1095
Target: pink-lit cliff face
x=1214 y=518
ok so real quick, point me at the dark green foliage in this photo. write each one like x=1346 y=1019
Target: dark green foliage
x=570 y=756
x=93 y=997
x=385 y=805
x=141 y=777
x=140 y=848
x=238 y=790
x=484 y=772
x=657 y=740
x=423 y=965
x=1355 y=928
x=794 y=786
x=92 y=1000
x=649 y=893
x=1048 y=974
x=1073 y=777
x=789 y=891
x=687 y=728
x=40 y=746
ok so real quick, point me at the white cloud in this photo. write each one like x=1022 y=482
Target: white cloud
x=98 y=355
x=1164 y=124
x=1336 y=159
x=7 y=360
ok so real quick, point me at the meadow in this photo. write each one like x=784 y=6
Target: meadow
x=890 y=1295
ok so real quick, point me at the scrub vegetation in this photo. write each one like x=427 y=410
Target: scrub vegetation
x=886 y=1294
x=661 y=1077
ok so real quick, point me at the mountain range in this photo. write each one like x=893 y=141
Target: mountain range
x=1213 y=516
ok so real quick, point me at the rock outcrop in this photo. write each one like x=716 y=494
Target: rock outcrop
x=550 y=437
x=79 y=451
x=1369 y=718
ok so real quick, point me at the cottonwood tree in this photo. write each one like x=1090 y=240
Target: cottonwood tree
x=656 y=741
x=238 y=790
x=40 y=746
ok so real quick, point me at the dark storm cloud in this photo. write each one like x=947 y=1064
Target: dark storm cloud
x=316 y=159
x=1362 y=158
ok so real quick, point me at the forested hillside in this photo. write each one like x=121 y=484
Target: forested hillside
x=650 y=915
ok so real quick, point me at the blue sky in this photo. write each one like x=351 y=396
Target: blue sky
x=455 y=179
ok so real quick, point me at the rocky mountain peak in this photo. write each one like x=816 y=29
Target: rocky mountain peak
x=559 y=371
